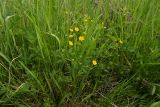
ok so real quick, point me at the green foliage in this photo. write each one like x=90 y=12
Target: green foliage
x=75 y=53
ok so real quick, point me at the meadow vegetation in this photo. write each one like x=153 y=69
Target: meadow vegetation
x=80 y=53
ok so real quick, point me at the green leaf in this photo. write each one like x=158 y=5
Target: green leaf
x=153 y=90
x=155 y=104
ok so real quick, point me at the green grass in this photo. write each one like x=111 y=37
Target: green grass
x=38 y=67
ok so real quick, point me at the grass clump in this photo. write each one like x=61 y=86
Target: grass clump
x=77 y=53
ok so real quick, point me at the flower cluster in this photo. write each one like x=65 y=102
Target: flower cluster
x=74 y=36
x=75 y=32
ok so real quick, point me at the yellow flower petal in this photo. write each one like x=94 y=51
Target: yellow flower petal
x=81 y=38
x=70 y=43
x=71 y=30
x=94 y=62
x=76 y=29
x=71 y=36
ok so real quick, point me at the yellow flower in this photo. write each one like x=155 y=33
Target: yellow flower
x=81 y=38
x=94 y=62
x=70 y=43
x=121 y=42
x=76 y=29
x=71 y=30
x=71 y=36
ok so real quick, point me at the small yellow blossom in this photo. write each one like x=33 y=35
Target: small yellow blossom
x=71 y=36
x=94 y=62
x=81 y=38
x=70 y=43
x=71 y=30
x=76 y=29
x=121 y=42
